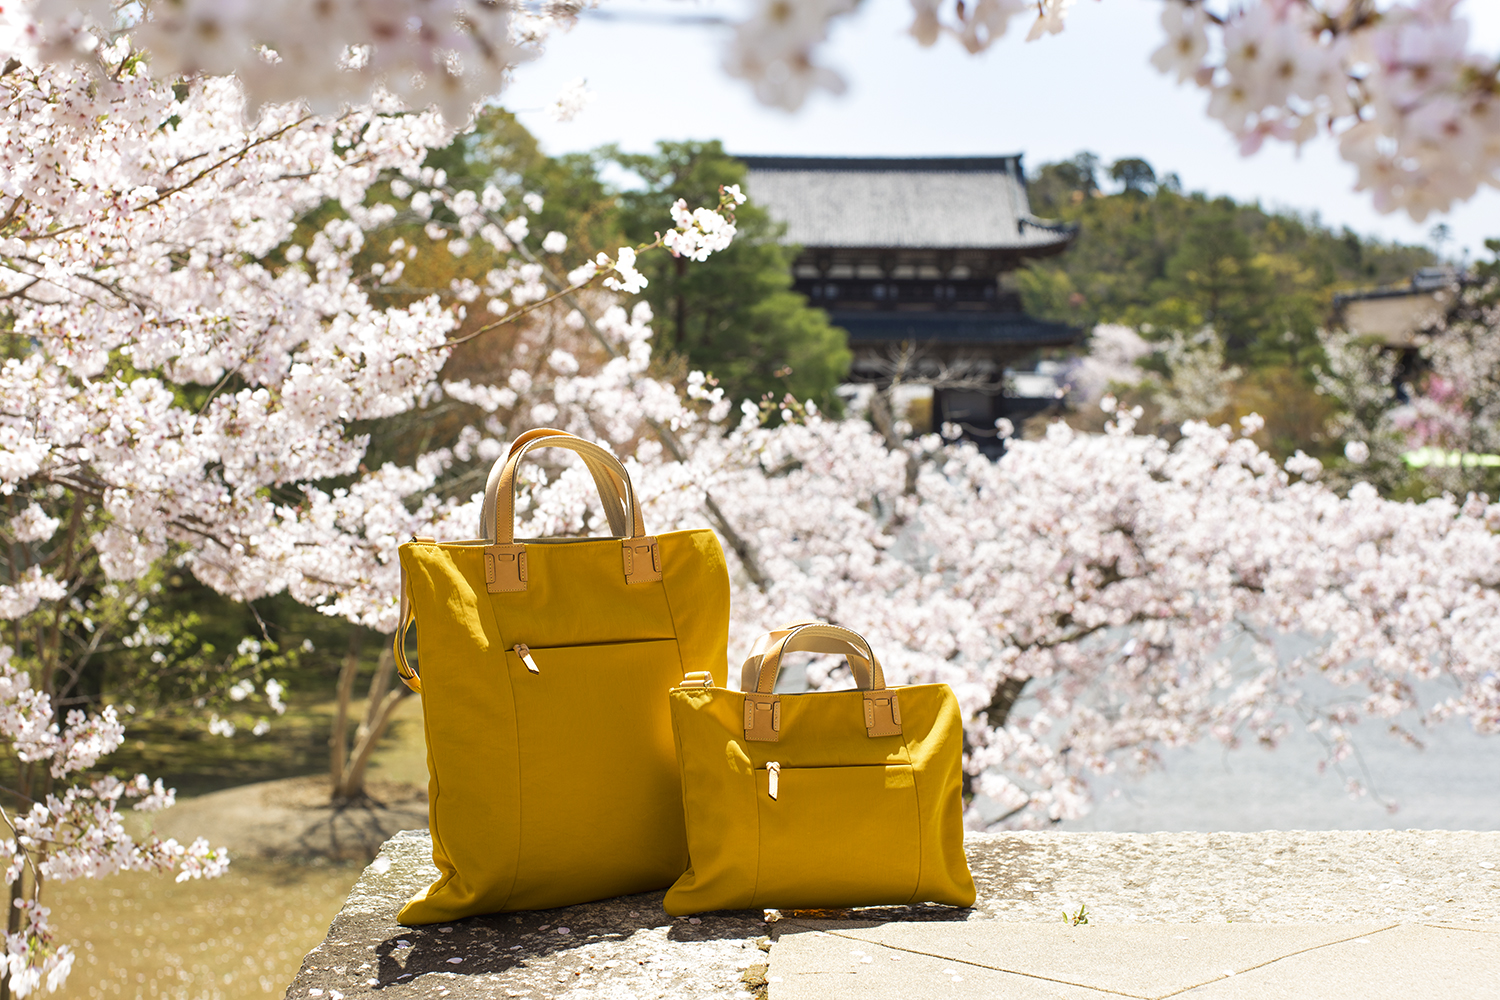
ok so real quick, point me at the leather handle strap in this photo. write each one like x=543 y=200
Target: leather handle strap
x=404 y=670
x=819 y=637
x=882 y=708
x=610 y=484
x=613 y=482
x=859 y=664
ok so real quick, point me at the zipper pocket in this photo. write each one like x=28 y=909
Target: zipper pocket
x=773 y=771
x=524 y=651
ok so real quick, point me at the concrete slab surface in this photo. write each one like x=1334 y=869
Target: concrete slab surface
x=1136 y=959
x=1144 y=962
x=819 y=966
x=1275 y=877
x=1407 y=962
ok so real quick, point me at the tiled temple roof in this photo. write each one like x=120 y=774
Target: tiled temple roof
x=961 y=202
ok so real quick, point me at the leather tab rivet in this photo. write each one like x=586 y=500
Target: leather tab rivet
x=882 y=714
x=505 y=568
x=642 y=559
x=762 y=718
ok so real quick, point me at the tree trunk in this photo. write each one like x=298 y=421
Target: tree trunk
x=680 y=307
x=349 y=775
x=883 y=417
x=1007 y=693
x=338 y=740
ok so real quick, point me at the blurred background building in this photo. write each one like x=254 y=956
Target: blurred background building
x=914 y=258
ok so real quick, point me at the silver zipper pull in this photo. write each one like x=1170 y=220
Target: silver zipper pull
x=525 y=655
x=773 y=776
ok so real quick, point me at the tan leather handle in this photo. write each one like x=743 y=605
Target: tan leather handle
x=611 y=486
x=819 y=637
x=609 y=481
x=613 y=482
x=882 y=709
x=408 y=674
x=859 y=665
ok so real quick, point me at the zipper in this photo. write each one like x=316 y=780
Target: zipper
x=524 y=651
x=773 y=771
x=525 y=654
x=598 y=645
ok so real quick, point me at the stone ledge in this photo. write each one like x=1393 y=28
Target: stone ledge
x=629 y=947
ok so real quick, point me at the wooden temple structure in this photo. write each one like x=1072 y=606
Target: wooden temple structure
x=912 y=257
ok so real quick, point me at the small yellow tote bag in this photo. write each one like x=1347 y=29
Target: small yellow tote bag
x=545 y=666
x=824 y=799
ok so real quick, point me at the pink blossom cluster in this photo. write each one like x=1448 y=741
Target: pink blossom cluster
x=188 y=360
x=1413 y=106
x=77 y=831
x=448 y=53
x=702 y=231
x=129 y=241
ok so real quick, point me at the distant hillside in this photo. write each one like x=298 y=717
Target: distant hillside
x=1160 y=259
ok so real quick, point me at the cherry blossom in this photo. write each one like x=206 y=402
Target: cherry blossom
x=1410 y=103
x=76 y=832
x=1110 y=578
x=571 y=102
x=197 y=350
x=1398 y=85
x=702 y=231
x=774 y=49
x=450 y=53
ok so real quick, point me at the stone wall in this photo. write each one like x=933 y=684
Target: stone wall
x=629 y=947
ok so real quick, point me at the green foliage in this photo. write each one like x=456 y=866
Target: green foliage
x=500 y=152
x=159 y=647
x=1135 y=174
x=734 y=315
x=1163 y=261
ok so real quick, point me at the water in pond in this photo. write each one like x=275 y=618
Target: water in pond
x=238 y=937
x=1452 y=784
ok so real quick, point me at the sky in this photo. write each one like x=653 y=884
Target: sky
x=1090 y=88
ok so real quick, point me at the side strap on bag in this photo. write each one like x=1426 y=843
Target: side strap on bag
x=408 y=615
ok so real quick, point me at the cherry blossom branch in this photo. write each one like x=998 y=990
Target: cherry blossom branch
x=742 y=547
x=696 y=235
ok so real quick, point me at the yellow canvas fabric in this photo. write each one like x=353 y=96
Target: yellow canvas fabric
x=557 y=785
x=857 y=820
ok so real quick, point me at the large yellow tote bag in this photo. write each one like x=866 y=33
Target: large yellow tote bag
x=545 y=666
x=825 y=799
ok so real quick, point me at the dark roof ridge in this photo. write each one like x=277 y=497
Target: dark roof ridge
x=934 y=164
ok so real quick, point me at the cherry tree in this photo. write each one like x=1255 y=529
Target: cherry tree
x=1411 y=104
x=1396 y=83
x=182 y=354
x=1092 y=598
x=192 y=280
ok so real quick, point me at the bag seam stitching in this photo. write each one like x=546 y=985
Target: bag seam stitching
x=916 y=795
x=488 y=604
